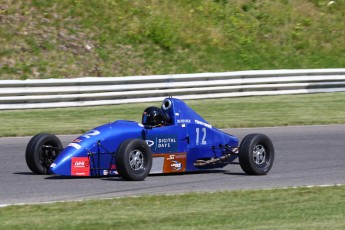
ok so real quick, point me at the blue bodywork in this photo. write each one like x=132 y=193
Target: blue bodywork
x=175 y=147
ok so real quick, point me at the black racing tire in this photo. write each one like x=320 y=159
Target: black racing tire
x=134 y=160
x=41 y=151
x=256 y=154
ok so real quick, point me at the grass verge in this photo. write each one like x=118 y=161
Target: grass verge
x=293 y=208
x=74 y=38
x=326 y=108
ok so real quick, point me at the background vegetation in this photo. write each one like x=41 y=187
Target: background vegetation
x=311 y=109
x=76 y=38
x=301 y=208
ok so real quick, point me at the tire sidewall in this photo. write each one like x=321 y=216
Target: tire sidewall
x=34 y=151
x=123 y=163
x=247 y=150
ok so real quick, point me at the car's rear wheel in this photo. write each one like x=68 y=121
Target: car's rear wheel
x=133 y=160
x=41 y=152
x=256 y=154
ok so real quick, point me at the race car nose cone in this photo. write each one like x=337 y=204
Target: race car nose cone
x=52 y=169
x=59 y=169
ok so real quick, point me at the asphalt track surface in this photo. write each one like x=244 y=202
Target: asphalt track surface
x=305 y=155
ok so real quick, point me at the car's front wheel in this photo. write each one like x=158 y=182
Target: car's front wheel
x=133 y=160
x=41 y=152
x=256 y=154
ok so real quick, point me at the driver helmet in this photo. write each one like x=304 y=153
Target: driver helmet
x=154 y=116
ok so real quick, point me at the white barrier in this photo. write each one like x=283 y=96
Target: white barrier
x=90 y=91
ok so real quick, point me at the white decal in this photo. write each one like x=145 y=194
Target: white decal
x=203 y=123
x=77 y=146
x=93 y=132
x=203 y=139
x=79 y=163
x=165 y=142
x=176 y=166
x=184 y=121
x=171 y=157
x=149 y=143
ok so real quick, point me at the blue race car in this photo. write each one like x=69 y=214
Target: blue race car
x=170 y=139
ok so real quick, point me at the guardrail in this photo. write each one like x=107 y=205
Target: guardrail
x=90 y=91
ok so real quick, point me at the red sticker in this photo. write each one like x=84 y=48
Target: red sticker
x=175 y=163
x=80 y=166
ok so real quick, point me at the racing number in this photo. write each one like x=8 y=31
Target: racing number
x=93 y=132
x=203 y=139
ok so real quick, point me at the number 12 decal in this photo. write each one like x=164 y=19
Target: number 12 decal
x=203 y=139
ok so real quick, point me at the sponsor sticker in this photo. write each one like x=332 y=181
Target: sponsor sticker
x=163 y=143
x=166 y=142
x=175 y=163
x=150 y=143
x=183 y=121
x=80 y=166
x=203 y=124
x=112 y=171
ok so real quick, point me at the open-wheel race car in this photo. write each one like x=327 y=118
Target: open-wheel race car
x=170 y=139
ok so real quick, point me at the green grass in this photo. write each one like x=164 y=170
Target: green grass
x=293 y=208
x=326 y=108
x=74 y=38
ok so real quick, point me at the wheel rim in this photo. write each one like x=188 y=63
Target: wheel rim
x=259 y=155
x=47 y=155
x=136 y=160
